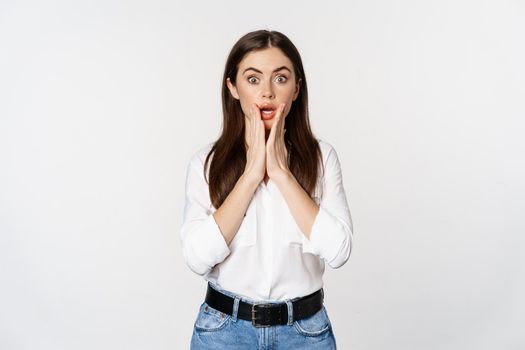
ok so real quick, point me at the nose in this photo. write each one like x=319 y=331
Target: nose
x=267 y=91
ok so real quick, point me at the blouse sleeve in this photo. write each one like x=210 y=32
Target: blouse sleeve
x=203 y=244
x=331 y=236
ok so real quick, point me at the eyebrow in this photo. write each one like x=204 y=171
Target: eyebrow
x=275 y=70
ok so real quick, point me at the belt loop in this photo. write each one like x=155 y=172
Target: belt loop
x=235 y=310
x=290 y=312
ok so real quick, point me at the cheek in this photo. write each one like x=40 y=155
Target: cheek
x=244 y=92
x=245 y=106
x=246 y=101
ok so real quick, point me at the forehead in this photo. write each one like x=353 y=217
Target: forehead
x=265 y=60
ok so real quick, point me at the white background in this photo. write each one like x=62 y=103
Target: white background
x=103 y=102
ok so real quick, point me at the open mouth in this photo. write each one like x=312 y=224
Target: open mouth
x=268 y=111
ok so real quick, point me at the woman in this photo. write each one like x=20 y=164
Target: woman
x=265 y=209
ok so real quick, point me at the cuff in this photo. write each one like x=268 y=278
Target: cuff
x=207 y=246
x=327 y=237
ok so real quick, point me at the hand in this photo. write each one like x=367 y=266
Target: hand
x=276 y=152
x=255 y=140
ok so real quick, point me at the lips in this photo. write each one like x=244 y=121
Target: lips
x=267 y=107
x=267 y=110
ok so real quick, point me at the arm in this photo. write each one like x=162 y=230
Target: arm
x=303 y=208
x=205 y=236
x=327 y=228
x=230 y=214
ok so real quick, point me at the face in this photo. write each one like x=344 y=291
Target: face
x=266 y=78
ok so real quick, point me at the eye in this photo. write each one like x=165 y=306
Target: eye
x=253 y=79
x=284 y=78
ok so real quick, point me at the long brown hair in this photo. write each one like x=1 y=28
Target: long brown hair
x=229 y=150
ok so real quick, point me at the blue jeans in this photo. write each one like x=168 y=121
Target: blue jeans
x=216 y=330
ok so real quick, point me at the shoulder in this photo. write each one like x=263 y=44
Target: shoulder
x=195 y=165
x=198 y=157
x=326 y=149
x=328 y=152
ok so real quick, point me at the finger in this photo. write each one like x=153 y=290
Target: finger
x=281 y=147
x=247 y=128
x=256 y=119
x=249 y=125
x=256 y=111
x=256 y=114
x=280 y=110
x=279 y=125
x=271 y=137
x=282 y=117
x=260 y=132
x=283 y=152
x=280 y=121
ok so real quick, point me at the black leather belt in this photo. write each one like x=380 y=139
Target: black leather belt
x=263 y=314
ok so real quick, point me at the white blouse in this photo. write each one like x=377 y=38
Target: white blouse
x=269 y=258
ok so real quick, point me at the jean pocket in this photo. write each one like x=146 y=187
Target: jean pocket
x=315 y=325
x=210 y=319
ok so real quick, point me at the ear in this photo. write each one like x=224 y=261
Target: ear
x=297 y=88
x=232 y=88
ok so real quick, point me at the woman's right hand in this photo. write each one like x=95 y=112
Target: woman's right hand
x=256 y=145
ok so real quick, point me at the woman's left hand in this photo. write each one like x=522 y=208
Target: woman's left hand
x=276 y=152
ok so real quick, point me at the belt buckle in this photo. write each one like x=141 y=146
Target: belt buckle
x=254 y=318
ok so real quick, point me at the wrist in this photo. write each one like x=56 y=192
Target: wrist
x=284 y=178
x=249 y=182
